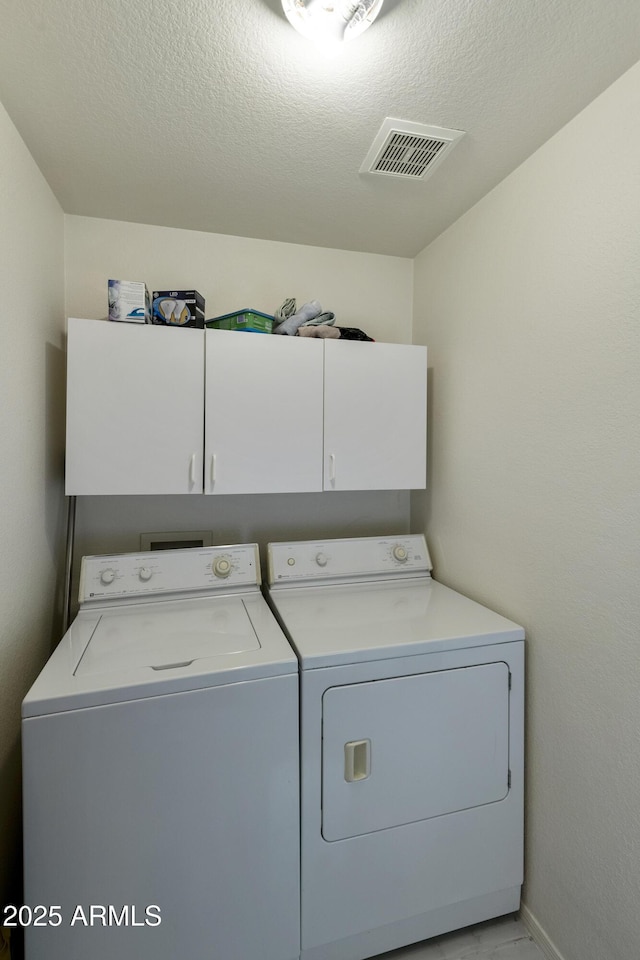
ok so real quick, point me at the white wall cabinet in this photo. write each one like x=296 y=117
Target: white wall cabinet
x=263 y=413
x=135 y=416
x=161 y=410
x=375 y=416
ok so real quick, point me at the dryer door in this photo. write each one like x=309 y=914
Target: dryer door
x=408 y=748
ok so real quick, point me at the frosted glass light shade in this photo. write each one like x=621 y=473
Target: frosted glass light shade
x=331 y=19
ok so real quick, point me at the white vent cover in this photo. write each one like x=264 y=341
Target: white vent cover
x=409 y=150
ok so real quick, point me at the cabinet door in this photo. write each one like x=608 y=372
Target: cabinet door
x=263 y=413
x=134 y=408
x=375 y=416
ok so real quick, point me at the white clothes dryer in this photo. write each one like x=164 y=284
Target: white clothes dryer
x=411 y=746
x=160 y=746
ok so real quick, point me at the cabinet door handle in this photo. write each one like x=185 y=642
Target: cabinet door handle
x=332 y=467
x=213 y=469
x=192 y=469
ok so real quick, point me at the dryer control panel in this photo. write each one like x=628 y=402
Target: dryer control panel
x=353 y=559
x=169 y=571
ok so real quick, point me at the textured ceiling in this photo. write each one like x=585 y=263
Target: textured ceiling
x=215 y=115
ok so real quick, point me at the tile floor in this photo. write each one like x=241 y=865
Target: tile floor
x=503 y=939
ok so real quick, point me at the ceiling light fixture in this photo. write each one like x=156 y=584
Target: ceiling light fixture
x=331 y=20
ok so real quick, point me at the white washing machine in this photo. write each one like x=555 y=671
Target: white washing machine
x=160 y=754
x=411 y=746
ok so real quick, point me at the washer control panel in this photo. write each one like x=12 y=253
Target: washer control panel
x=169 y=571
x=360 y=557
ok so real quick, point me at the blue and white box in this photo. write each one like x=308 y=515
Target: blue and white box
x=129 y=301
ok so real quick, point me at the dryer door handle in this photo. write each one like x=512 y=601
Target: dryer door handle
x=357 y=760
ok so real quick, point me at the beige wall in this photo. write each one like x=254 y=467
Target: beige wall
x=530 y=305
x=31 y=443
x=367 y=291
x=364 y=290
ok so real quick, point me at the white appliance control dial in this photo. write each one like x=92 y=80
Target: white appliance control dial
x=321 y=559
x=145 y=574
x=400 y=553
x=108 y=575
x=222 y=567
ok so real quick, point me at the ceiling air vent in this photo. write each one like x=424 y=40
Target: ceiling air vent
x=409 y=150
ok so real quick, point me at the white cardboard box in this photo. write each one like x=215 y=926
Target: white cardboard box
x=129 y=301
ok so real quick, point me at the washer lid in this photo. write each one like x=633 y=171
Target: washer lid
x=330 y=625
x=150 y=649
x=158 y=638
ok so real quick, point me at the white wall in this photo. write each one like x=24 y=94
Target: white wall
x=31 y=456
x=367 y=291
x=530 y=305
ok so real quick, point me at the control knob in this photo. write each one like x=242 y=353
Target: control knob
x=107 y=576
x=222 y=567
x=321 y=559
x=145 y=574
x=400 y=553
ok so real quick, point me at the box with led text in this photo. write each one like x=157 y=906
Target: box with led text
x=178 y=308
